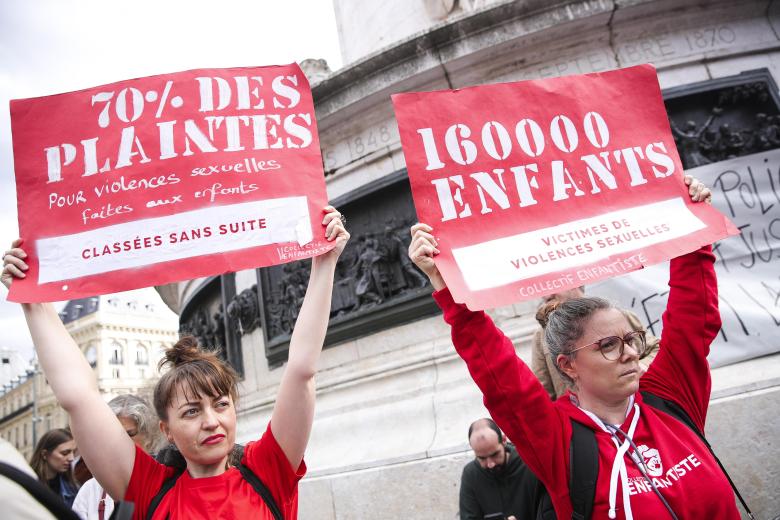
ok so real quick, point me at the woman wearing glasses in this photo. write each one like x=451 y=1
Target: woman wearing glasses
x=650 y=464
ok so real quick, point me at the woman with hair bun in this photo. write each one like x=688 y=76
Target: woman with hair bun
x=543 y=364
x=650 y=464
x=196 y=404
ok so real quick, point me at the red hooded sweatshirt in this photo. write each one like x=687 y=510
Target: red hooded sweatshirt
x=675 y=459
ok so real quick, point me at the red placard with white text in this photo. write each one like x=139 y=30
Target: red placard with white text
x=539 y=186
x=165 y=178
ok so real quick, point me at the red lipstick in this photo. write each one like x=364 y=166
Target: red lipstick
x=214 y=439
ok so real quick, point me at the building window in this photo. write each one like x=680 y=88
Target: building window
x=141 y=355
x=116 y=373
x=116 y=354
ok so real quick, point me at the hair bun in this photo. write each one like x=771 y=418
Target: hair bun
x=544 y=311
x=184 y=351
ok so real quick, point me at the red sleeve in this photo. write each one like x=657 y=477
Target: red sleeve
x=680 y=371
x=515 y=398
x=267 y=460
x=145 y=481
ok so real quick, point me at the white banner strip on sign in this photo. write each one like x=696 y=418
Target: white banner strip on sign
x=580 y=242
x=200 y=232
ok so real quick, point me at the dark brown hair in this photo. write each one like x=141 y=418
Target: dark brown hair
x=46 y=445
x=196 y=371
x=544 y=310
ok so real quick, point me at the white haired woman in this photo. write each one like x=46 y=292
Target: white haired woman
x=140 y=422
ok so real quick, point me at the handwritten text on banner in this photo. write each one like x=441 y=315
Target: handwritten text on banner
x=747 y=190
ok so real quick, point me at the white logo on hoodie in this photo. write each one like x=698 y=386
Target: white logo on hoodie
x=652 y=459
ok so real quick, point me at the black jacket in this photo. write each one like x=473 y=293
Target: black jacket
x=515 y=492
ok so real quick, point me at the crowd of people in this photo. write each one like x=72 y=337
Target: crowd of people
x=597 y=380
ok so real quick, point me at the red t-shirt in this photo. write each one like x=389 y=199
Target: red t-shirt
x=225 y=496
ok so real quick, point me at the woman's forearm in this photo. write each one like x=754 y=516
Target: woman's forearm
x=512 y=394
x=63 y=364
x=293 y=413
x=312 y=323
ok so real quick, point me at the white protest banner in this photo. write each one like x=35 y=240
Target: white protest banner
x=747 y=190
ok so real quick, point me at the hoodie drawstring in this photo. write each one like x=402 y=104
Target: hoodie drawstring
x=619 y=464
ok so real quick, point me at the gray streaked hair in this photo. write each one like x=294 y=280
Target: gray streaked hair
x=137 y=409
x=566 y=324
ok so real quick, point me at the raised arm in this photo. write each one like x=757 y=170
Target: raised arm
x=293 y=413
x=104 y=444
x=512 y=394
x=680 y=371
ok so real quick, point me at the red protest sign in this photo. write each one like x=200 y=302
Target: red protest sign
x=539 y=186
x=165 y=178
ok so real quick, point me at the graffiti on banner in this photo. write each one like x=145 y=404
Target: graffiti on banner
x=747 y=190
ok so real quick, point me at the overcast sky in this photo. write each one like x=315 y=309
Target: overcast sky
x=53 y=46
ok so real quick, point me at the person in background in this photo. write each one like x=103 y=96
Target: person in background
x=543 y=365
x=51 y=460
x=18 y=502
x=497 y=483
x=140 y=422
x=81 y=472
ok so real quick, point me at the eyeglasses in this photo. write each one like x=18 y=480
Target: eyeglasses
x=612 y=347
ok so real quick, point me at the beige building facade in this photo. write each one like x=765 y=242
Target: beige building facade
x=122 y=336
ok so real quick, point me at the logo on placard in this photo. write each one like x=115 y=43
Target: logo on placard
x=652 y=460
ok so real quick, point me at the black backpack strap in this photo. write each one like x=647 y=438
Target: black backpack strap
x=676 y=411
x=167 y=485
x=263 y=491
x=583 y=470
x=39 y=491
x=544 y=505
x=122 y=511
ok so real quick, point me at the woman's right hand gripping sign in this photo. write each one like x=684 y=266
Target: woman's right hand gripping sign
x=14 y=265
x=422 y=249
